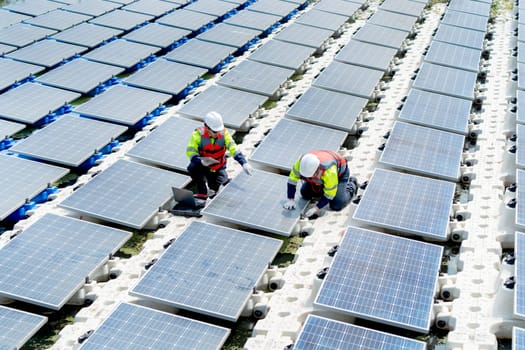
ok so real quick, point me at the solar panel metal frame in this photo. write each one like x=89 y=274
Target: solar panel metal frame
x=120 y=19
x=227 y=34
x=17 y=326
x=275 y=7
x=424 y=151
x=454 y=56
x=9 y=128
x=62 y=242
x=200 y=53
x=403 y=205
x=185 y=19
x=133 y=330
x=366 y=55
x=324 y=334
x=210 y=7
x=121 y=53
x=236 y=204
x=58 y=19
x=148 y=189
x=304 y=35
x=165 y=76
x=44 y=100
x=349 y=79
x=379 y=35
x=68 y=141
x=35 y=8
x=12 y=72
x=327 y=108
x=282 y=54
x=259 y=78
x=393 y=20
x=122 y=104
x=379 y=257
x=47 y=52
x=460 y=36
x=520 y=202
x=406 y=7
x=253 y=20
x=22 y=34
x=322 y=19
x=87 y=34
x=93 y=8
x=339 y=7
x=157 y=35
x=436 y=110
x=154 y=8
x=79 y=75
x=220 y=289
x=453 y=82
x=465 y=20
x=23 y=179
x=296 y=137
x=235 y=106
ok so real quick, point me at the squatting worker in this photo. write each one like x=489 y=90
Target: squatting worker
x=325 y=175
x=207 y=153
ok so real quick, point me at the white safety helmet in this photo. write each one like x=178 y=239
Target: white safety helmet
x=309 y=164
x=214 y=121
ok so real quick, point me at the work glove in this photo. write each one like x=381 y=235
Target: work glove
x=248 y=169
x=289 y=204
x=311 y=212
x=207 y=161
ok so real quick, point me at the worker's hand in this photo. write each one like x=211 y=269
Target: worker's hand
x=248 y=169
x=289 y=204
x=311 y=212
x=207 y=161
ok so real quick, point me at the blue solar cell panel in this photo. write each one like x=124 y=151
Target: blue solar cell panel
x=520 y=117
x=87 y=34
x=157 y=35
x=185 y=19
x=454 y=56
x=122 y=53
x=519 y=251
x=408 y=7
x=339 y=7
x=282 y=54
x=201 y=53
x=47 y=53
x=8 y=18
x=93 y=8
x=407 y=271
x=367 y=55
x=304 y=35
x=322 y=19
x=520 y=200
x=460 y=36
x=275 y=7
x=518 y=338
x=8 y=128
x=16 y=327
x=253 y=20
x=465 y=20
x=22 y=34
x=151 y=7
x=452 y=81
x=470 y=6
x=212 y=7
x=393 y=20
x=58 y=19
x=120 y=19
x=33 y=8
x=227 y=34
x=379 y=35
x=12 y=72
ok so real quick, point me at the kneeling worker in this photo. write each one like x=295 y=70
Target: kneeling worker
x=207 y=153
x=325 y=175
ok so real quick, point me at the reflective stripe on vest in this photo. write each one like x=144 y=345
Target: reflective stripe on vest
x=326 y=160
x=215 y=150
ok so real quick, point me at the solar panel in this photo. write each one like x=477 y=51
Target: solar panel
x=465 y=20
x=93 y=8
x=22 y=179
x=79 y=75
x=393 y=20
x=407 y=7
x=379 y=35
x=47 y=53
x=256 y=201
x=123 y=104
x=44 y=100
x=58 y=254
x=519 y=247
x=520 y=204
x=367 y=55
x=518 y=338
x=22 y=34
x=157 y=35
x=454 y=56
x=460 y=36
x=185 y=19
x=126 y=193
x=521 y=76
x=472 y=7
x=58 y=20
x=6 y=49
x=323 y=334
x=120 y=19
x=322 y=19
x=231 y=35
x=453 y=82
x=282 y=54
x=327 y=108
x=200 y=53
x=87 y=34
x=8 y=18
x=424 y=150
x=350 y=79
x=17 y=327
x=296 y=138
x=12 y=72
x=407 y=271
x=304 y=35
x=253 y=20
x=122 y=53
x=166 y=145
x=437 y=111
x=235 y=106
x=212 y=7
x=33 y=8
x=69 y=141
x=275 y=7
x=407 y=203
x=150 y=7
x=339 y=7
x=217 y=269
x=256 y=77
x=165 y=76
x=520 y=97
x=8 y=128
x=132 y=327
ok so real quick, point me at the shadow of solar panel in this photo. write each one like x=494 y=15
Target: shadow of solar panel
x=322 y=19
x=283 y=54
x=323 y=334
x=201 y=54
x=123 y=104
x=157 y=35
x=132 y=326
x=397 y=262
x=454 y=56
x=452 y=81
x=424 y=151
x=327 y=108
x=46 y=53
x=126 y=193
x=256 y=201
x=209 y=269
x=87 y=34
x=296 y=138
x=122 y=53
x=59 y=253
x=349 y=79
x=154 y=8
x=93 y=8
x=304 y=35
x=253 y=20
x=407 y=203
x=23 y=179
x=338 y=7
x=234 y=105
x=166 y=145
x=437 y=111
x=393 y=20
x=518 y=338
x=33 y=8
x=22 y=34
x=407 y=7
x=231 y=35
x=185 y=19
x=465 y=20
x=366 y=55
x=379 y=35
x=120 y=19
x=17 y=327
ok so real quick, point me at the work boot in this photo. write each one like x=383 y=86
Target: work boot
x=352 y=186
x=212 y=193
